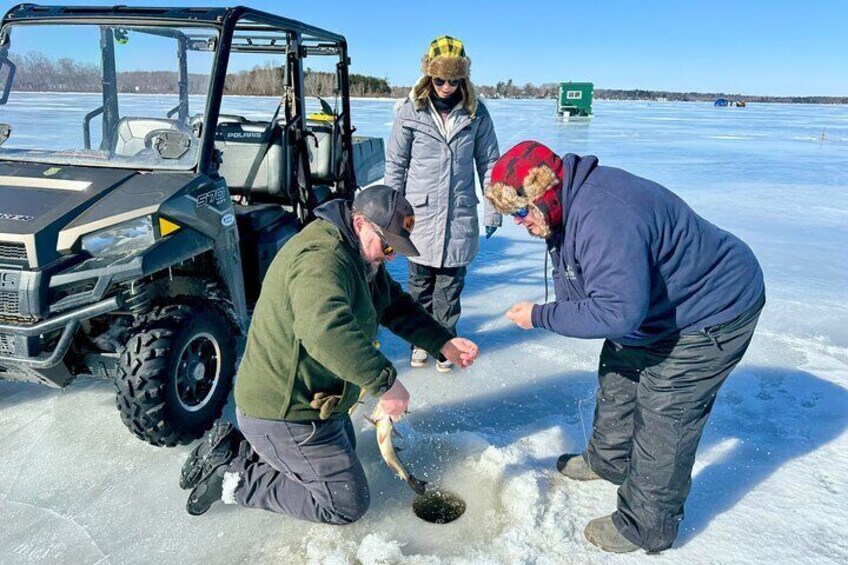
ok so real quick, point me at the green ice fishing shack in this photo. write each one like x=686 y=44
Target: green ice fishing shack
x=575 y=100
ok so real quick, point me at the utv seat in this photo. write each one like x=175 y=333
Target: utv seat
x=325 y=149
x=255 y=160
x=131 y=133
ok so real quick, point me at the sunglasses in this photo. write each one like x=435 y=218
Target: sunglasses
x=521 y=213
x=387 y=248
x=441 y=81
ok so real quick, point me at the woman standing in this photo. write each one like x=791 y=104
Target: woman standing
x=440 y=133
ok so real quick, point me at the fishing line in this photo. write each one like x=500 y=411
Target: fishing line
x=591 y=395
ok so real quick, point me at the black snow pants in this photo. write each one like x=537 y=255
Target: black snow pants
x=437 y=290
x=650 y=411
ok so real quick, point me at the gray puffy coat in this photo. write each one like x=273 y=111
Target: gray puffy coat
x=437 y=177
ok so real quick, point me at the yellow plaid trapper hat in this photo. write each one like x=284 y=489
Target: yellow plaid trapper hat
x=446 y=59
x=446 y=46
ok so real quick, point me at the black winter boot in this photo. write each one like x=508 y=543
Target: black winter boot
x=574 y=466
x=207 y=492
x=218 y=447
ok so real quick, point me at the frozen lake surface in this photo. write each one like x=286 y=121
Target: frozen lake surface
x=771 y=478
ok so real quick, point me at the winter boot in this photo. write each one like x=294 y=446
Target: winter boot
x=603 y=533
x=574 y=466
x=218 y=447
x=207 y=492
x=418 y=358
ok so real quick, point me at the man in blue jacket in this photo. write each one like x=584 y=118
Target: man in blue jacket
x=676 y=299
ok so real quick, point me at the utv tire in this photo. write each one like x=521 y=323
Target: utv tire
x=175 y=373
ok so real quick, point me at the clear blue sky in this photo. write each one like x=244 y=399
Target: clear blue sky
x=776 y=47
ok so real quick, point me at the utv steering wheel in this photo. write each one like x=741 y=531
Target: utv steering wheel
x=169 y=143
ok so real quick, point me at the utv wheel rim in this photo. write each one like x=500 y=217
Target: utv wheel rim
x=198 y=372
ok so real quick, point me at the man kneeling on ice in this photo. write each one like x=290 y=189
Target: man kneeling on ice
x=311 y=349
x=677 y=300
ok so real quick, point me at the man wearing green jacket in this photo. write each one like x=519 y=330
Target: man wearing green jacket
x=311 y=350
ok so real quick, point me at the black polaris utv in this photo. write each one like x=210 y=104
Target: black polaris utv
x=142 y=196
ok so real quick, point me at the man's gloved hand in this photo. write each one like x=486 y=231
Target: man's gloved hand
x=326 y=403
x=395 y=401
x=490 y=231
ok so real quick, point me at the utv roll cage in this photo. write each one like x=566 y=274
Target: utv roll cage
x=240 y=30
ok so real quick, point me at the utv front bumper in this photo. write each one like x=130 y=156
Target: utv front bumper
x=21 y=354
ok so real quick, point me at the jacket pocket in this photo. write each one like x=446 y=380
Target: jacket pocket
x=418 y=199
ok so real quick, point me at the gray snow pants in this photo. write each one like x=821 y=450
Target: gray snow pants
x=437 y=290
x=306 y=470
x=650 y=411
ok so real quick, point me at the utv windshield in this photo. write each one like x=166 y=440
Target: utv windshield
x=104 y=95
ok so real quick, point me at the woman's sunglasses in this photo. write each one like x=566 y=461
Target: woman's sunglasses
x=441 y=81
x=521 y=213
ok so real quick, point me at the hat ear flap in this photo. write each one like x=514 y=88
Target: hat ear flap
x=425 y=64
x=421 y=92
x=538 y=180
x=469 y=95
x=504 y=198
x=543 y=226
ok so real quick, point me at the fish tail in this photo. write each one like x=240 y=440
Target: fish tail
x=420 y=487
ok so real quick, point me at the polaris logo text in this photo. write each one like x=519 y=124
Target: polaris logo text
x=244 y=135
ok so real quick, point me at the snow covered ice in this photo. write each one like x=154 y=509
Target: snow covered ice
x=771 y=479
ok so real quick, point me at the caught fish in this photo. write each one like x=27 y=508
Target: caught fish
x=385 y=429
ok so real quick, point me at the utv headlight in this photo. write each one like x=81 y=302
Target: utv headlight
x=126 y=238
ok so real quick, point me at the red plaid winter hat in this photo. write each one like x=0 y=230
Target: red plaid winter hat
x=527 y=176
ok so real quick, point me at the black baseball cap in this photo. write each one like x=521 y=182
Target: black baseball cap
x=392 y=213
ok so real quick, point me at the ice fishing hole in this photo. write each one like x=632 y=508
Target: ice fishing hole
x=438 y=507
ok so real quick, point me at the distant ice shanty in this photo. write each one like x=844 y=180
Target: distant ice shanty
x=575 y=100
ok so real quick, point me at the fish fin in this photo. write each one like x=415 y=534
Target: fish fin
x=370 y=421
x=420 y=487
x=398 y=449
x=397 y=433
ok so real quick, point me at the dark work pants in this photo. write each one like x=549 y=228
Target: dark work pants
x=437 y=290
x=306 y=470
x=652 y=406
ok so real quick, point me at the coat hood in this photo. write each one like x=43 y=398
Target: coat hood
x=338 y=213
x=576 y=170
